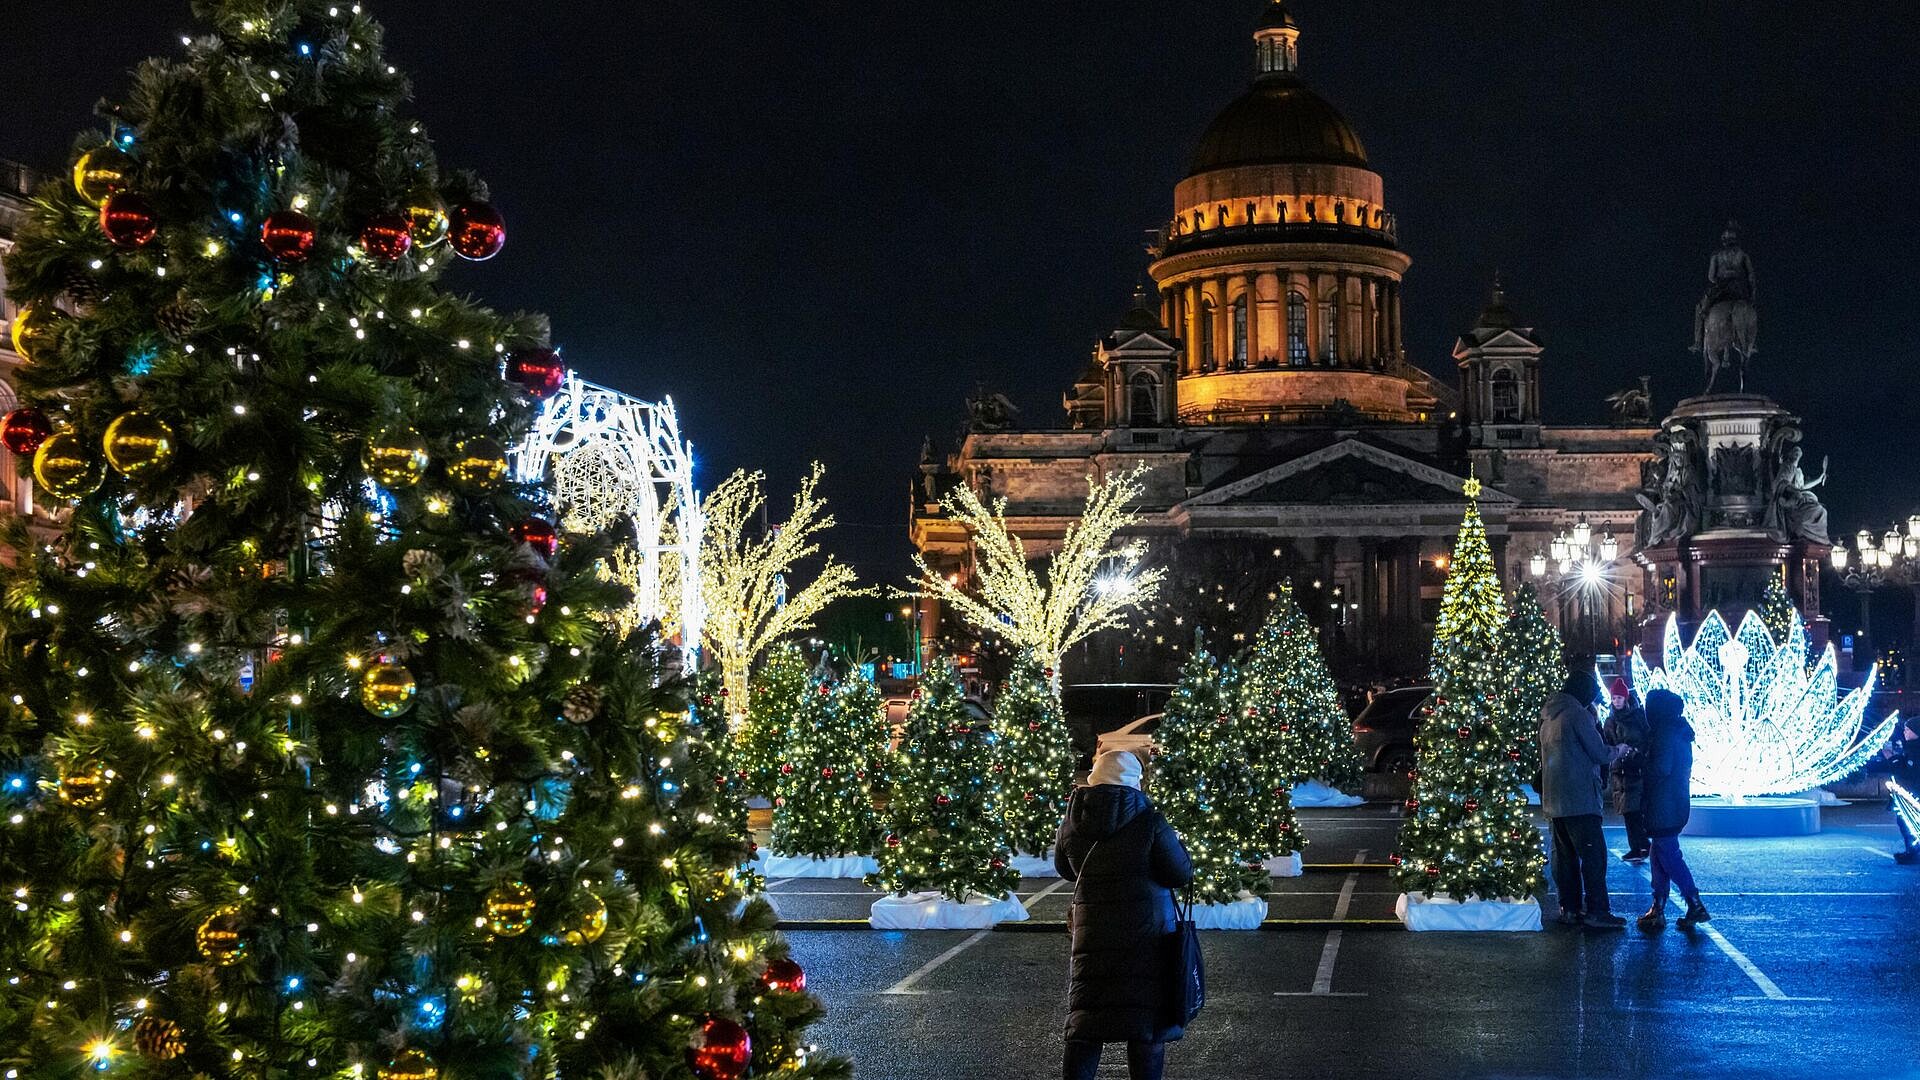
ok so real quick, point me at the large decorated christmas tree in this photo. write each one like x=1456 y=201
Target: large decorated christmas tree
x=1466 y=832
x=823 y=789
x=1296 y=703
x=1034 y=766
x=777 y=692
x=944 y=830
x=1231 y=817
x=1535 y=665
x=326 y=765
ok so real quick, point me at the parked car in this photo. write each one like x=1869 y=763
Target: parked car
x=1384 y=729
x=1093 y=709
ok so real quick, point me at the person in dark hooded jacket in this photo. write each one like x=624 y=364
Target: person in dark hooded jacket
x=1667 y=804
x=1124 y=860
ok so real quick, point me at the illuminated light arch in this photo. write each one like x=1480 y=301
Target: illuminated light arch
x=1764 y=723
x=605 y=455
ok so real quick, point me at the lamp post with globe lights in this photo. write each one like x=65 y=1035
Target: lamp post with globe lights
x=1891 y=559
x=1581 y=569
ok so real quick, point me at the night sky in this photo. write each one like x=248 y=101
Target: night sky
x=816 y=224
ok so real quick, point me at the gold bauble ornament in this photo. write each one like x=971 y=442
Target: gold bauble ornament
x=510 y=909
x=138 y=443
x=84 y=787
x=65 y=469
x=426 y=220
x=397 y=457
x=409 y=1065
x=478 y=463
x=31 y=326
x=387 y=689
x=219 y=939
x=589 y=921
x=158 y=1038
x=100 y=172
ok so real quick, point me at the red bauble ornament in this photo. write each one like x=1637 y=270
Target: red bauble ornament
x=1028 y=797
x=723 y=691
x=1472 y=805
x=1046 y=673
x=1465 y=732
x=1413 y=804
x=128 y=220
x=477 y=232
x=786 y=768
x=825 y=690
x=1394 y=858
x=538 y=534
x=1284 y=728
x=1033 y=725
x=721 y=1051
x=784 y=974
x=941 y=800
x=1513 y=755
x=998 y=864
x=24 y=430
x=1433 y=871
x=289 y=235
x=538 y=600
x=386 y=238
x=893 y=840
x=827 y=772
x=540 y=372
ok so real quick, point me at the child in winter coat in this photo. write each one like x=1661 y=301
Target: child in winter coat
x=1667 y=803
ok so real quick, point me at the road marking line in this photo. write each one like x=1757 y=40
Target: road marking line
x=1876 y=851
x=1330 y=952
x=905 y=986
x=782 y=881
x=1766 y=985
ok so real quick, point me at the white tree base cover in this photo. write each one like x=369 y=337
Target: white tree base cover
x=1320 y=794
x=1533 y=797
x=1246 y=913
x=808 y=866
x=1035 y=866
x=1442 y=912
x=1823 y=797
x=1287 y=865
x=931 y=911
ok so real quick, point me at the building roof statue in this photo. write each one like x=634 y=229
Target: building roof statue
x=1725 y=326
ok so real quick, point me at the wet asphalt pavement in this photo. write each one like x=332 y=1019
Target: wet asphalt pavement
x=1811 y=969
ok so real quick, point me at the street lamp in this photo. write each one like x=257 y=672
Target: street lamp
x=1580 y=565
x=1890 y=559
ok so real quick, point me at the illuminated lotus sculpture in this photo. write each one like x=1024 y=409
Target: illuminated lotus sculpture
x=1763 y=723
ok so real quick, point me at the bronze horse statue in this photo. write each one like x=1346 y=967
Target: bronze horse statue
x=1725 y=324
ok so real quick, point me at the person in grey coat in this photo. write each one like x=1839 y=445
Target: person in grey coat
x=1125 y=861
x=1571 y=757
x=1627 y=726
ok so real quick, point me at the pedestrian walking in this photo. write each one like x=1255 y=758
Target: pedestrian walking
x=1125 y=861
x=1571 y=756
x=1627 y=726
x=1669 y=802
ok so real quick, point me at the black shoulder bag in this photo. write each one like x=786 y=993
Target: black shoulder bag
x=1186 y=974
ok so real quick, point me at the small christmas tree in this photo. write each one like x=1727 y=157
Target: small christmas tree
x=944 y=829
x=1466 y=831
x=1035 y=763
x=1296 y=703
x=776 y=694
x=1777 y=610
x=823 y=794
x=1206 y=783
x=1535 y=666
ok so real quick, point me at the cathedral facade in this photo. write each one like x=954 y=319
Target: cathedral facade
x=1264 y=388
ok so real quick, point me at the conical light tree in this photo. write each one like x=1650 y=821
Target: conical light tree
x=775 y=697
x=1466 y=831
x=1231 y=817
x=1296 y=703
x=944 y=833
x=746 y=575
x=1535 y=664
x=1093 y=581
x=1034 y=764
x=823 y=788
x=327 y=765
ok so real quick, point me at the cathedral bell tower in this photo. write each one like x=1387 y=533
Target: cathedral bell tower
x=1500 y=377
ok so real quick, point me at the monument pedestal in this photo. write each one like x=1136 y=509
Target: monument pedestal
x=1735 y=510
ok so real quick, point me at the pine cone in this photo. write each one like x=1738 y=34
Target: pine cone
x=84 y=290
x=421 y=563
x=581 y=704
x=180 y=317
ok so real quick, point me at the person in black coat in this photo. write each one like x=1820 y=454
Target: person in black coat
x=1124 y=860
x=1667 y=803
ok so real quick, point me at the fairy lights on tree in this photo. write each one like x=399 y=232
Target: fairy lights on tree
x=823 y=786
x=746 y=577
x=1091 y=582
x=1466 y=832
x=1230 y=815
x=1535 y=665
x=1763 y=723
x=1034 y=765
x=342 y=774
x=1295 y=702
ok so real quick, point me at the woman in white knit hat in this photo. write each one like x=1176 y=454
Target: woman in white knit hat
x=1125 y=861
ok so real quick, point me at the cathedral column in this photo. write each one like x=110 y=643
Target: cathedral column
x=1316 y=338
x=1252 y=296
x=1393 y=322
x=1369 y=309
x=1175 y=318
x=1190 y=317
x=1343 y=319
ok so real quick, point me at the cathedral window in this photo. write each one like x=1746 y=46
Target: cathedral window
x=1297 y=329
x=1240 y=332
x=1204 y=346
x=1143 y=401
x=1505 y=394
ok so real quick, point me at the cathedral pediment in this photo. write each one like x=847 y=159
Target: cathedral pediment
x=1348 y=473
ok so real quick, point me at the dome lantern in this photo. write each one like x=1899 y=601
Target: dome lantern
x=1276 y=41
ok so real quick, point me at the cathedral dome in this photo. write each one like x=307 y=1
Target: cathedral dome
x=1278 y=122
